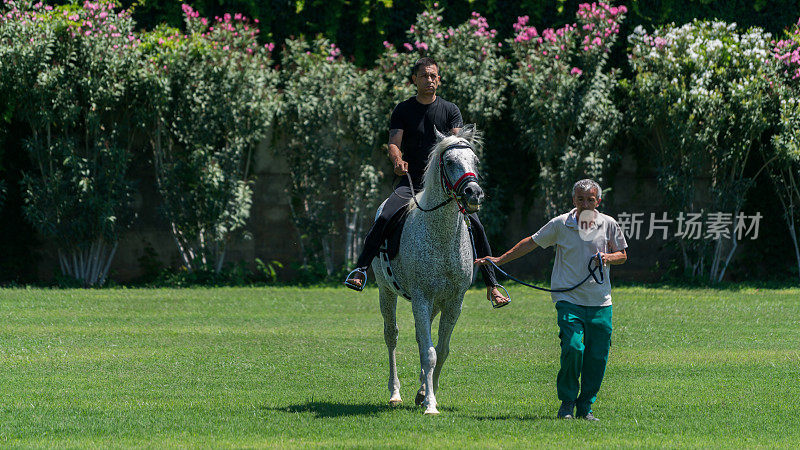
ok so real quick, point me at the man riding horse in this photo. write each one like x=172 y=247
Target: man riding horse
x=411 y=138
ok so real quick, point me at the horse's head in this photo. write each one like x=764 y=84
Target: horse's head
x=458 y=167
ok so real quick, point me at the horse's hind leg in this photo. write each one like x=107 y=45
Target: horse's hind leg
x=388 y=302
x=427 y=353
x=446 y=325
x=420 y=398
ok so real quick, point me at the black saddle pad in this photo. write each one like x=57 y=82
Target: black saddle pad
x=393 y=232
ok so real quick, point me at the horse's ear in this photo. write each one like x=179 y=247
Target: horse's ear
x=439 y=136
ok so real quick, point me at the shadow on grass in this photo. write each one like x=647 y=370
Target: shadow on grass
x=330 y=409
x=500 y=417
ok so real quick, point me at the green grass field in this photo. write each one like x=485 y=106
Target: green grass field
x=308 y=367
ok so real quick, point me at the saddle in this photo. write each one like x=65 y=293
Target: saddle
x=391 y=246
x=393 y=232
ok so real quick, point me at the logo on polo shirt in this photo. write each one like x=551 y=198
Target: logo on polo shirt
x=588 y=229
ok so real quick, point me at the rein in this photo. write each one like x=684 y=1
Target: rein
x=451 y=189
x=592 y=270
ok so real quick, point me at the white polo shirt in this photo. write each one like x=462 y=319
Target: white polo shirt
x=574 y=249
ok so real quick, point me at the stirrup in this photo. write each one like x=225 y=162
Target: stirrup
x=496 y=305
x=356 y=287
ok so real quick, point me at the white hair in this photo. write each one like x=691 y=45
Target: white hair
x=586 y=185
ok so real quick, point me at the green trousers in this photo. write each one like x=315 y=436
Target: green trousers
x=585 y=333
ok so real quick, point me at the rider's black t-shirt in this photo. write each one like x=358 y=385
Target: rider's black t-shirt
x=417 y=122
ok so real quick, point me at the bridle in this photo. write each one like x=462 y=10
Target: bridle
x=454 y=191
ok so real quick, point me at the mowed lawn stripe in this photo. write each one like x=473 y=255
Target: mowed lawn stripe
x=298 y=367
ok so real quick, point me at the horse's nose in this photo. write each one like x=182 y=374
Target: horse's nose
x=473 y=194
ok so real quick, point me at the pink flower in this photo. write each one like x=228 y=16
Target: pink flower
x=575 y=71
x=421 y=45
x=387 y=44
x=408 y=46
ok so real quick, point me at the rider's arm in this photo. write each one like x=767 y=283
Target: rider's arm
x=395 y=155
x=615 y=258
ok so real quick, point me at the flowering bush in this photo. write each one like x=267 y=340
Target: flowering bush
x=785 y=168
x=473 y=70
x=701 y=92
x=68 y=71
x=335 y=118
x=562 y=102
x=214 y=98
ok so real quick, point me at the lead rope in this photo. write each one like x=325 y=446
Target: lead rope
x=592 y=270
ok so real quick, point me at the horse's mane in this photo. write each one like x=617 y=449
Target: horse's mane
x=468 y=133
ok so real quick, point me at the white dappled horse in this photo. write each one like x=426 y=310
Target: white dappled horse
x=433 y=266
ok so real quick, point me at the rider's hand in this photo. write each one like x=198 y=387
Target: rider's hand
x=400 y=167
x=604 y=257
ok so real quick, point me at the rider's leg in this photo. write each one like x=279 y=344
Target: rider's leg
x=374 y=238
x=482 y=249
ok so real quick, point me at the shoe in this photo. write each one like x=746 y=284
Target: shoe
x=590 y=417
x=493 y=299
x=353 y=276
x=566 y=410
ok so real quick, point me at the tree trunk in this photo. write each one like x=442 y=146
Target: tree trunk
x=327 y=255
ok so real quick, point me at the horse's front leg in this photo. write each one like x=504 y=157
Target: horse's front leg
x=427 y=353
x=388 y=301
x=446 y=325
x=421 y=392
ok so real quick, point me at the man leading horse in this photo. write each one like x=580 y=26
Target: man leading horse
x=411 y=138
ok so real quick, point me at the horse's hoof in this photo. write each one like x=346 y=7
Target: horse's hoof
x=395 y=401
x=419 y=399
x=431 y=411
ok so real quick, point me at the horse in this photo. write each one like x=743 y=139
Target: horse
x=434 y=263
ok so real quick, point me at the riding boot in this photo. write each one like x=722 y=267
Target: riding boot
x=375 y=237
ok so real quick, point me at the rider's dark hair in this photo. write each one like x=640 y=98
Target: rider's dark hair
x=422 y=62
